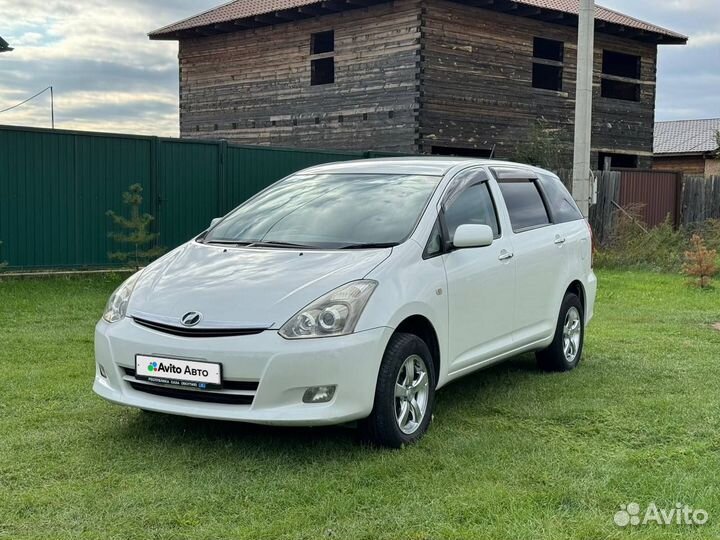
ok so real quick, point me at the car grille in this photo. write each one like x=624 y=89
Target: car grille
x=197 y=332
x=232 y=392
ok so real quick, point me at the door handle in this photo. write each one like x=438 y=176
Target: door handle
x=559 y=240
x=505 y=256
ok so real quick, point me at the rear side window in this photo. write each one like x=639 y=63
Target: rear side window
x=525 y=205
x=561 y=203
x=474 y=206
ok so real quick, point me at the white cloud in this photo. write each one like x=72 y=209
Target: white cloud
x=706 y=39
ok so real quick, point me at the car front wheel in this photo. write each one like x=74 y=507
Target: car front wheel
x=565 y=351
x=404 y=395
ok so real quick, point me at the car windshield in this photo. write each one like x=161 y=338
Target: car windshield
x=329 y=211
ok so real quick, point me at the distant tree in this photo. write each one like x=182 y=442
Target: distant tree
x=544 y=147
x=700 y=262
x=136 y=232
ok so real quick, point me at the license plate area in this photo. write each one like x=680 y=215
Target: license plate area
x=178 y=372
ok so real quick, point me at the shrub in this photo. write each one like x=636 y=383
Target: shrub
x=633 y=245
x=137 y=236
x=700 y=264
x=543 y=149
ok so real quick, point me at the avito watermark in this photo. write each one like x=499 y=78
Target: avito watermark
x=681 y=514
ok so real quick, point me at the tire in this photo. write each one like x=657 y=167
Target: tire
x=393 y=421
x=565 y=351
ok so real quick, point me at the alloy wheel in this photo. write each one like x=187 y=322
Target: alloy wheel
x=411 y=394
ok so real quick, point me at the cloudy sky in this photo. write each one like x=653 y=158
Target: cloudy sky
x=109 y=77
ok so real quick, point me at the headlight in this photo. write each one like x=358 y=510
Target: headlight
x=334 y=314
x=117 y=305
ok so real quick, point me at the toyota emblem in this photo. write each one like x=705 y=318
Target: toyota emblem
x=191 y=319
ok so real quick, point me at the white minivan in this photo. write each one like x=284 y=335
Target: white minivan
x=352 y=292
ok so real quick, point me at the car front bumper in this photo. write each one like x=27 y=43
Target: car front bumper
x=283 y=370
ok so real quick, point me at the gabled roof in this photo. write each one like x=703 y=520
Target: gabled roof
x=686 y=136
x=239 y=14
x=4 y=45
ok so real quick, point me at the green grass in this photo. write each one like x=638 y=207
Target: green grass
x=513 y=453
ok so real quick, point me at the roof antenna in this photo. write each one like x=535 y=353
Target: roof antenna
x=492 y=152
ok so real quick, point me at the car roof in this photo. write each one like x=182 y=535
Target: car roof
x=429 y=166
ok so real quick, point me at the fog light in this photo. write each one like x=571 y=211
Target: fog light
x=319 y=394
x=102 y=371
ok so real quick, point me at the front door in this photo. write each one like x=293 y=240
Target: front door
x=481 y=281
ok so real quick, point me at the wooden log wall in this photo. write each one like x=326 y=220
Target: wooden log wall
x=477 y=85
x=253 y=86
x=691 y=165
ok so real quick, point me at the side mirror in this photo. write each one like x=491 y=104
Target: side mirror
x=472 y=236
x=215 y=222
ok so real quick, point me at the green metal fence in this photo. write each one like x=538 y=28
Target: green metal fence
x=55 y=187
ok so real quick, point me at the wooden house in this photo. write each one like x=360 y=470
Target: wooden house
x=691 y=147
x=459 y=77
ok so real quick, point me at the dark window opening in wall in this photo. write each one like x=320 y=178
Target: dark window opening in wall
x=460 y=152
x=620 y=76
x=547 y=77
x=548 y=56
x=617 y=161
x=322 y=71
x=548 y=49
x=621 y=65
x=626 y=91
x=322 y=42
x=365 y=116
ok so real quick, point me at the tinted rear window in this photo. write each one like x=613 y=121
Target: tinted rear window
x=524 y=204
x=561 y=203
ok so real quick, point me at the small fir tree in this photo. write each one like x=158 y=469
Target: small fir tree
x=700 y=264
x=135 y=232
x=3 y=264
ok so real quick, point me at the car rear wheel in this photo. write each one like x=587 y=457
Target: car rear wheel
x=565 y=351
x=404 y=395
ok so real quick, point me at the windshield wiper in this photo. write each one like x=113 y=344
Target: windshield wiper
x=228 y=243
x=370 y=245
x=273 y=243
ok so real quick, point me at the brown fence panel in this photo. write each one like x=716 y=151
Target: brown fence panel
x=655 y=193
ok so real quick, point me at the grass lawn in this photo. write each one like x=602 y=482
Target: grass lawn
x=513 y=453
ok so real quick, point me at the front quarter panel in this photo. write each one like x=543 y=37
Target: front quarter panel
x=409 y=285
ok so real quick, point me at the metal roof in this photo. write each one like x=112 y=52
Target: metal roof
x=686 y=136
x=261 y=12
x=602 y=14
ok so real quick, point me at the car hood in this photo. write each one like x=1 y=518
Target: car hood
x=243 y=287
